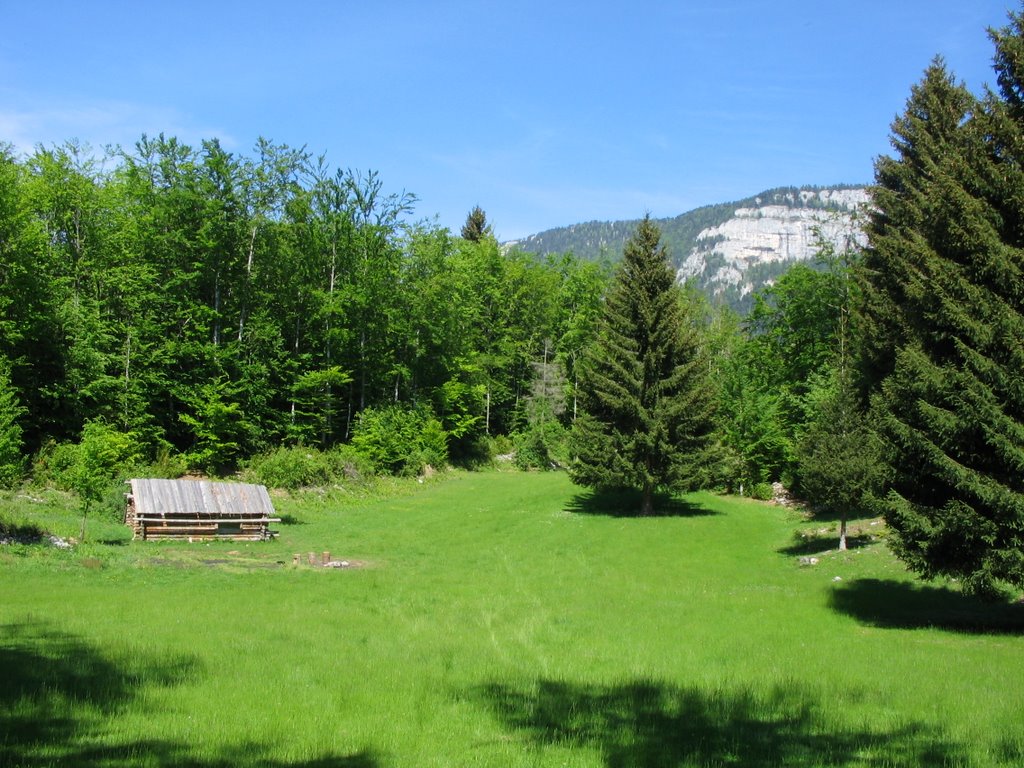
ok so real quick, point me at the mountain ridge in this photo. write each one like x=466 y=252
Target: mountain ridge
x=729 y=250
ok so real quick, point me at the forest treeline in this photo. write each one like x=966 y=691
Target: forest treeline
x=212 y=306
x=187 y=302
x=219 y=305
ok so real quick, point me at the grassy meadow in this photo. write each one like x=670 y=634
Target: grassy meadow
x=497 y=619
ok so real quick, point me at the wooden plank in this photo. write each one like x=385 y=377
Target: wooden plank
x=207 y=520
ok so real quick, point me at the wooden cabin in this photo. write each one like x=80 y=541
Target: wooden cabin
x=198 y=510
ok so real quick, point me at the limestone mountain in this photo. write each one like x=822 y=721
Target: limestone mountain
x=730 y=249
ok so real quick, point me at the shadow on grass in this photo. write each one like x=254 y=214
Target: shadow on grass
x=816 y=545
x=24 y=533
x=903 y=605
x=627 y=502
x=655 y=725
x=112 y=540
x=60 y=694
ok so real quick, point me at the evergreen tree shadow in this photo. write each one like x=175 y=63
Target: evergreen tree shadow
x=24 y=533
x=818 y=544
x=58 y=693
x=654 y=725
x=904 y=605
x=627 y=502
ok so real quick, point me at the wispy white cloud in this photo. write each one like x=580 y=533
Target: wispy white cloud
x=101 y=124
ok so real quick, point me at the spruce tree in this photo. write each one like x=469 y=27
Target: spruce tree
x=476 y=227
x=945 y=315
x=12 y=461
x=840 y=467
x=893 y=265
x=646 y=405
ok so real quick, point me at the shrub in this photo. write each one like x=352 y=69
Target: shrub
x=289 y=467
x=294 y=467
x=347 y=464
x=94 y=468
x=399 y=440
x=53 y=462
x=541 y=446
x=167 y=465
x=475 y=452
x=762 y=491
x=101 y=455
x=502 y=445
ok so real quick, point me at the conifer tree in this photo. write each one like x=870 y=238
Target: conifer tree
x=945 y=312
x=646 y=407
x=12 y=463
x=840 y=468
x=476 y=227
x=923 y=136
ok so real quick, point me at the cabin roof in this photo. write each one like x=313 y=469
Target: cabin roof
x=200 y=497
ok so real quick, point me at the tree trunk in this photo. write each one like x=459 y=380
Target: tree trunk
x=575 y=393
x=842 y=533
x=216 y=308
x=647 y=503
x=127 y=378
x=248 y=277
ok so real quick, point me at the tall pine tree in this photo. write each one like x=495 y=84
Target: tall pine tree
x=905 y=186
x=945 y=313
x=646 y=407
x=476 y=227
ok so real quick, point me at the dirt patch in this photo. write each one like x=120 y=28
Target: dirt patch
x=244 y=564
x=324 y=560
x=235 y=560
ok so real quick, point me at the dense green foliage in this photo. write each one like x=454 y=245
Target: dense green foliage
x=297 y=467
x=645 y=402
x=12 y=463
x=839 y=455
x=943 y=323
x=774 y=378
x=400 y=440
x=218 y=306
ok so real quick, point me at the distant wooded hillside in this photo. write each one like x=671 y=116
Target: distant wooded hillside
x=728 y=249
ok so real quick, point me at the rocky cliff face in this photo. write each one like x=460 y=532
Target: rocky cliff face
x=759 y=241
x=729 y=249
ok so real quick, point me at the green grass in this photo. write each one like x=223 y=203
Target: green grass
x=497 y=619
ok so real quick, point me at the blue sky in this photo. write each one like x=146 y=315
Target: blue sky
x=543 y=113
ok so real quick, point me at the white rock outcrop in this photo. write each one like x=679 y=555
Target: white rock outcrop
x=784 y=229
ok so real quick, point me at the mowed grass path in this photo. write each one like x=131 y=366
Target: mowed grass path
x=495 y=620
